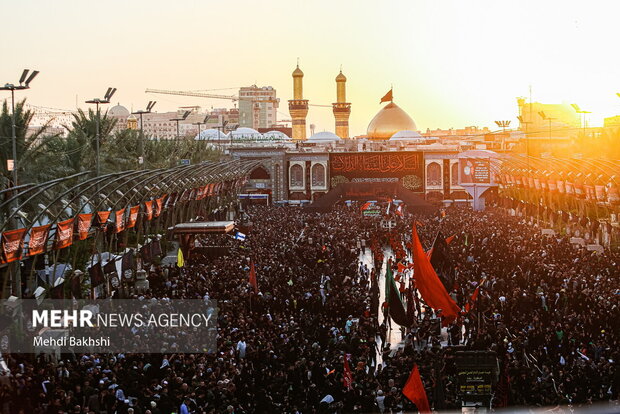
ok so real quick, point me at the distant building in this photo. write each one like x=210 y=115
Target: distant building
x=612 y=121
x=561 y=120
x=55 y=121
x=258 y=107
x=469 y=132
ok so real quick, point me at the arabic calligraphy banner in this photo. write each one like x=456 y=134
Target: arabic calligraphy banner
x=404 y=167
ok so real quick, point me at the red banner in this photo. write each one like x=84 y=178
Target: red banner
x=12 y=245
x=160 y=205
x=64 y=233
x=119 y=217
x=519 y=180
x=530 y=182
x=133 y=216
x=38 y=239
x=570 y=188
x=589 y=191
x=148 y=206
x=84 y=222
x=578 y=190
x=600 y=192
x=102 y=217
x=561 y=188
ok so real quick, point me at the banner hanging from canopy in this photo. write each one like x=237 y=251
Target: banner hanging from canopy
x=38 y=240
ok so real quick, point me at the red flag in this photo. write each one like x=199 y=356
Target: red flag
x=432 y=290
x=148 y=207
x=449 y=239
x=38 y=240
x=12 y=244
x=102 y=217
x=414 y=390
x=399 y=210
x=252 y=279
x=84 y=221
x=133 y=216
x=64 y=233
x=347 y=379
x=387 y=97
x=120 y=220
x=160 y=205
x=365 y=205
x=418 y=223
x=474 y=297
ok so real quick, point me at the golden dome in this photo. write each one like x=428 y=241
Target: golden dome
x=341 y=77
x=298 y=73
x=388 y=121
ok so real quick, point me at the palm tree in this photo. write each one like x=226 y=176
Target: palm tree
x=30 y=146
x=82 y=138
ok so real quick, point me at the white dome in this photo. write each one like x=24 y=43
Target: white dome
x=276 y=136
x=324 y=136
x=245 y=131
x=246 y=134
x=406 y=136
x=211 y=135
x=118 y=111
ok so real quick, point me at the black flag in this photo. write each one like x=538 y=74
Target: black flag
x=440 y=259
x=96 y=275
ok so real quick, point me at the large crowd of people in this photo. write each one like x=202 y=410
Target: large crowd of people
x=545 y=307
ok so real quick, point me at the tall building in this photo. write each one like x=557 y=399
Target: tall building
x=298 y=106
x=341 y=108
x=258 y=107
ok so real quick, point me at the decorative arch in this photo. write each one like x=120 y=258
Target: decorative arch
x=318 y=175
x=454 y=174
x=260 y=173
x=433 y=174
x=296 y=176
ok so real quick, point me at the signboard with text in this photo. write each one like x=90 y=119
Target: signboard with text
x=475 y=171
x=403 y=167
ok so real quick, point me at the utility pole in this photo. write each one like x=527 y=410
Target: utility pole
x=182 y=118
x=149 y=108
x=24 y=83
x=97 y=102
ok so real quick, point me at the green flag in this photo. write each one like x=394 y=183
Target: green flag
x=396 y=309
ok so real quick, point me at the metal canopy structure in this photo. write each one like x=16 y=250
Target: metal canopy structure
x=204 y=227
x=180 y=192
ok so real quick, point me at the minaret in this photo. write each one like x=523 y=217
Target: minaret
x=341 y=108
x=298 y=106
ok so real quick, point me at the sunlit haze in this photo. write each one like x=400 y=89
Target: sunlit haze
x=451 y=63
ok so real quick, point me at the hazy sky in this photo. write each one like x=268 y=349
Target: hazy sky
x=453 y=63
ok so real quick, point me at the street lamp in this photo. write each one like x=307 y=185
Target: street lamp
x=24 y=83
x=527 y=138
x=97 y=102
x=583 y=116
x=202 y=123
x=503 y=125
x=149 y=108
x=547 y=118
x=183 y=118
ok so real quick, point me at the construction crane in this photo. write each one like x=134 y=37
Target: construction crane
x=233 y=98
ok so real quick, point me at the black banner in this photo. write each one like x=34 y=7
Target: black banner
x=404 y=167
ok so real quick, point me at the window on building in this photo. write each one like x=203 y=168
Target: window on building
x=454 y=174
x=433 y=174
x=297 y=176
x=318 y=175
